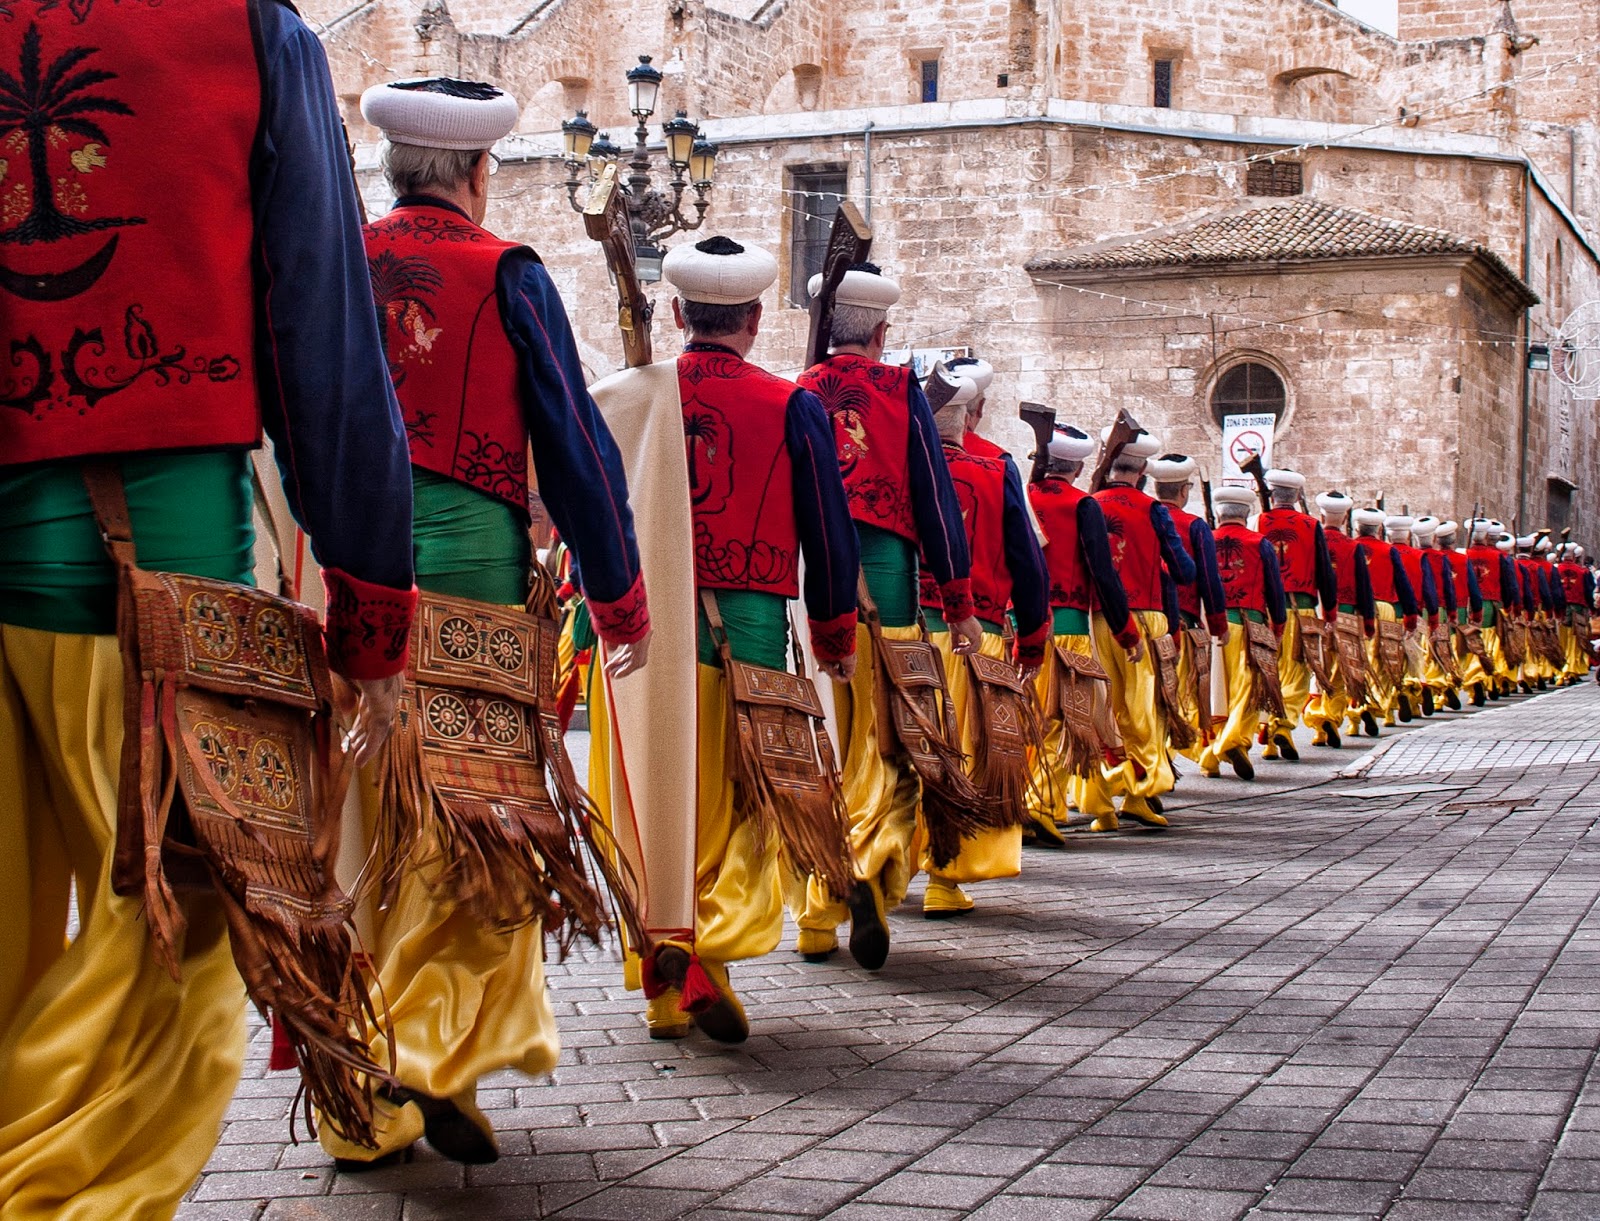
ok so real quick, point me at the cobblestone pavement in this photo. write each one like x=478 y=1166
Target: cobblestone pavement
x=1353 y=995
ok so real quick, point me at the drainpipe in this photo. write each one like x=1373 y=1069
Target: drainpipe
x=866 y=156
x=1522 y=352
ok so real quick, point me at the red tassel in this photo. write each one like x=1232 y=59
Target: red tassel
x=650 y=977
x=282 y=1057
x=699 y=993
x=567 y=699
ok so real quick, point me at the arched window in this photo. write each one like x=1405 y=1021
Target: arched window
x=1249 y=389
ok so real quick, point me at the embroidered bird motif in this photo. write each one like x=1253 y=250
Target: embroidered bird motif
x=422 y=334
x=87 y=158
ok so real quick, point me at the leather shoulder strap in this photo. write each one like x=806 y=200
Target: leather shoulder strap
x=286 y=584
x=110 y=501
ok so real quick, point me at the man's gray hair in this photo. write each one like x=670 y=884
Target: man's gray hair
x=951 y=421
x=1128 y=464
x=853 y=324
x=1173 y=491
x=414 y=170
x=1069 y=468
x=1284 y=498
x=1227 y=509
x=1374 y=530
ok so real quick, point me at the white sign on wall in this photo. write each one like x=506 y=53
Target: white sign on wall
x=1243 y=435
x=922 y=360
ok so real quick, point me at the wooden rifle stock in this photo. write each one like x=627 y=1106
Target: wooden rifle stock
x=848 y=244
x=939 y=389
x=1252 y=466
x=1211 y=512
x=1122 y=432
x=1043 y=422
x=605 y=219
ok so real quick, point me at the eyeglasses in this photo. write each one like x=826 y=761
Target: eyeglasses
x=494 y=164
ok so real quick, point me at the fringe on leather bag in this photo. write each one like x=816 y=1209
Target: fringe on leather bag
x=232 y=782
x=1005 y=728
x=1164 y=651
x=476 y=787
x=1080 y=692
x=1261 y=654
x=785 y=778
x=1351 y=649
x=1200 y=675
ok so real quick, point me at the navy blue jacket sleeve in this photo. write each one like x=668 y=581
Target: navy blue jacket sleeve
x=1030 y=580
x=822 y=521
x=1327 y=582
x=1510 y=584
x=1588 y=590
x=1403 y=592
x=1169 y=601
x=1173 y=553
x=1366 y=603
x=327 y=402
x=1474 y=590
x=940 y=529
x=1272 y=580
x=1110 y=597
x=1558 y=590
x=579 y=469
x=1430 y=588
x=1203 y=547
x=1446 y=581
x=1546 y=592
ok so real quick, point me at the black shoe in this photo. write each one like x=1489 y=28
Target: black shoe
x=1041 y=831
x=355 y=1165
x=1452 y=700
x=1478 y=697
x=1369 y=723
x=1156 y=805
x=450 y=1130
x=1403 y=708
x=1543 y=685
x=1286 y=748
x=1239 y=760
x=1427 y=701
x=1334 y=742
x=820 y=955
x=869 y=940
x=1525 y=689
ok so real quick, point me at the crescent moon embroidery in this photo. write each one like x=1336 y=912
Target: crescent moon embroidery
x=59 y=285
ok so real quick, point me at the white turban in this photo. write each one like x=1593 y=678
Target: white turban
x=438 y=112
x=868 y=289
x=719 y=271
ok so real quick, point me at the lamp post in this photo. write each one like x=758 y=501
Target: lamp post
x=655 y=215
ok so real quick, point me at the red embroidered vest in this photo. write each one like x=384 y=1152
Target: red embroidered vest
x=1135 y=549
x=1055 y=503
x=1380 y=567
x=434 y=278
x=1457 y=578
x=1244 y=578
x=1572 y=583
x=1532 y=600
x=126 y=229
x=1411 y=561
x=976 y=443
x=1342 y=551
x=1188 y=595
x=1485 y=562
x=1293 y=536
x=741 y=480
x=980 y=491
x=869 y=405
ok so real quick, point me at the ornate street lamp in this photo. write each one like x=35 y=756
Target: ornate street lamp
x=655 y=215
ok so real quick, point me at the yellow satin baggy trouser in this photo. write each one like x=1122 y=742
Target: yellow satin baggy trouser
x=113 y=1078
x=738 y=895
x=1383 y=697
x=1294 y=676
x=1187 y=705
x=1147 y=770
x=989 y=854
x=1053 y=787
x=463 y=1001
x=1467 y=663
x=1328 y=708
x=1577 y=653
x=1244 y=716
x=881 y=793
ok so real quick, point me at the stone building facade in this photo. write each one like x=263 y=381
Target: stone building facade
x=1455 y=168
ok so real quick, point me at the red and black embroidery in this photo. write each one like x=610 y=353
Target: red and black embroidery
x=369 y=626
x=622 y=621
x=435 y=284
x=1055 y=504
x=834 y=640
x=1239 y=564
x=868 y=405
x=113 y=329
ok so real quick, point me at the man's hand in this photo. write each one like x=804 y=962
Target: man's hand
x=967 y=634
x=624 y=659
x=1030 y=675
x=368 y=706
x=1135 y=652
x=840 y=671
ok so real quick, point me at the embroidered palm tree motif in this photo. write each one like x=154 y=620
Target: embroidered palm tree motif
x=402 y=288
x=46 y=107
x=1230 y=563
x=705 y=429
x=846 y=402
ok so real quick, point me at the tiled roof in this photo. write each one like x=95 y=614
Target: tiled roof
x=1304 y=229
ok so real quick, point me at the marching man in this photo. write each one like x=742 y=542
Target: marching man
x=1496 y=577
x=1082 y=579
x=1308 y=579
x=901 y=498
x=1356 y=622
x=1144 y=543
x=1413 y=695
x=735 y=477
x=1254 y=589
x=1396 y=604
